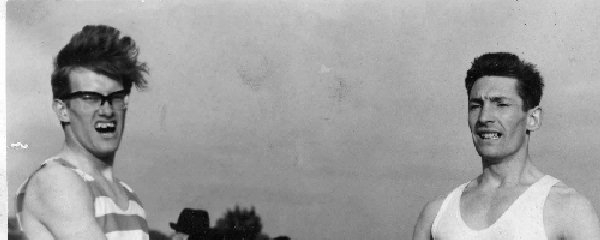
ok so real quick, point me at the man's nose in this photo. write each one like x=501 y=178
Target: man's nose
x=106 y=108
x=486 y=114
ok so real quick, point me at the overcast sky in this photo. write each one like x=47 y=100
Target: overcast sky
x=335 y=119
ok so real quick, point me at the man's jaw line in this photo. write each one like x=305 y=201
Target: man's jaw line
x=505 y=166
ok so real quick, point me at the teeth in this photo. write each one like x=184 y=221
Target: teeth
x=489 y=135
x=105 y=125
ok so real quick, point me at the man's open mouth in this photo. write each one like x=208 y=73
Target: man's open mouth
x=489 y=135
x=105 y=127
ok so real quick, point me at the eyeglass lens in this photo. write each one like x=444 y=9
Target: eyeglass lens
x=94 y=100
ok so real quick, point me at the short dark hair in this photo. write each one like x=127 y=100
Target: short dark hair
x=101 y=50
x=530 y=83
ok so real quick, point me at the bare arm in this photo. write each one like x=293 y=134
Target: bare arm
x=60 y=200
x=580 y=219
x=569 y=215
x=422 y=230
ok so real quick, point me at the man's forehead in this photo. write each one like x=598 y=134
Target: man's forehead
x=490 y=87
x=85 y=79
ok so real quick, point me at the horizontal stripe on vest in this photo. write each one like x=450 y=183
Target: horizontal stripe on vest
x=132 y=197
x=99 y=192
x=127 y=235
x=105 y=205
x=118 y=222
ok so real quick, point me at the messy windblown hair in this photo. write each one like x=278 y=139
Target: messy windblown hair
x=99 y=49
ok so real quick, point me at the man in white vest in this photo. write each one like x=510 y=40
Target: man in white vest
x=512 y=198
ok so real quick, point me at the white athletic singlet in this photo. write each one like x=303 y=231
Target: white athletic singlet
x=523 y=220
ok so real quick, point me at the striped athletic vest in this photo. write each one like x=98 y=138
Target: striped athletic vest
x=115 y=222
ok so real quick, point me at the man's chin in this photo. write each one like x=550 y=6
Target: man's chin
x=105 y=150
x=491 y=157
x=487 y=153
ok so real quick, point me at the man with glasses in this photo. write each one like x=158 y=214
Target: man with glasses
x=74 y=195
x=511 y=198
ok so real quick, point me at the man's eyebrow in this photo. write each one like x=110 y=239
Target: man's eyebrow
x=492 y=99
x=499 y=99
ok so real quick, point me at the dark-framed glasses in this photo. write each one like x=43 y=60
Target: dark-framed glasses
x=94 y=100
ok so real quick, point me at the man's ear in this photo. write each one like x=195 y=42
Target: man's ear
x=126 y=102
x=60 y=108
x=534 y=118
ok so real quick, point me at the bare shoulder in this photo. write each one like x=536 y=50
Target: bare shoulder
x=432 y=207
x=54 y=177
x=563 y=198
x=53 y=188
x=57 y=198
x=570 y=215
x=422 y=230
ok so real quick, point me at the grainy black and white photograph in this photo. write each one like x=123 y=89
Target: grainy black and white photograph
x=303 y=119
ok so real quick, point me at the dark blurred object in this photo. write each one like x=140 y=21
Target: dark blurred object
x=157 y=235
x=236 y=224
x=192 y=222
x=211 y=234
x=14 y=232
x=230 y=234
x=240 y=224
x=15 y=236
x=282 y=238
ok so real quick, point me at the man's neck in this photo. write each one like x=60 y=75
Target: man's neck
x=510 y=171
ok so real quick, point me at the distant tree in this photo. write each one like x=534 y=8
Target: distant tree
x=157 y=235
x=241 y=224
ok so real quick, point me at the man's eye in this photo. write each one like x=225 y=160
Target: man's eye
x=474 y=106
x=503 y=104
